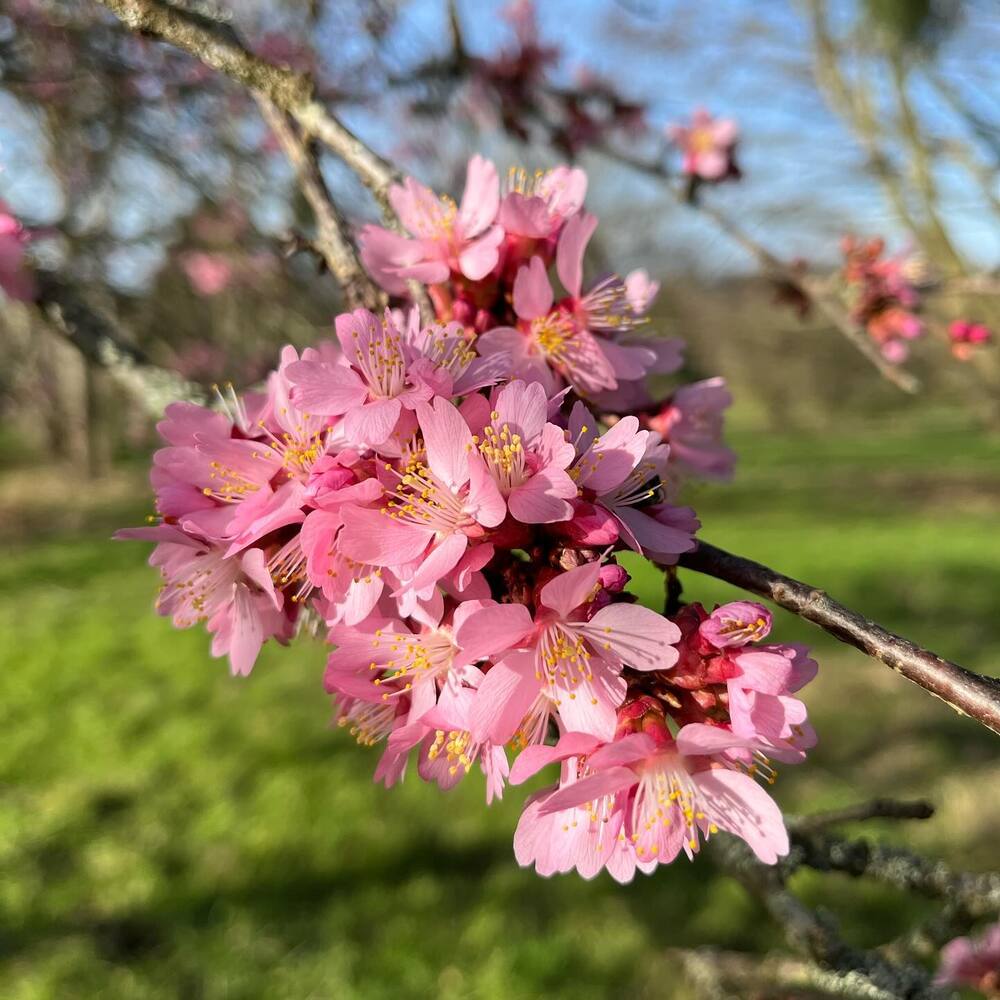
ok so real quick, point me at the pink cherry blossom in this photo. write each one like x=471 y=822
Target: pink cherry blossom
x=692 y=424
x=708 y=145
x=526 y=456
x=624 y=472
x=446 y=238
x=562 y=661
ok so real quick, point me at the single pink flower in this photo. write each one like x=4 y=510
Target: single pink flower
x=692 y=424
x=526 y=456
x=446 y=238
x=709 y=146
x=624 y=472
x=562 y=662
x=672 y=796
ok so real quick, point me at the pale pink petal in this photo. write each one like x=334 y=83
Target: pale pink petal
x=735 y=802
x=485 y=502
x=522 y=407
x=481 y=200
x=629 y=749
x=448 y=441
x=533 y=758
x=493 y=630
x=569 y=590
x=697 y=739
x=653 y=537
x=538 y=500
x=503 y=699
x=479 y=257
x=641 y=638
x=371 y=536
x=573 y=242
x=328 y=390
x=443 y=558
x=247 y=632
x=532 y=290
x=594 y=786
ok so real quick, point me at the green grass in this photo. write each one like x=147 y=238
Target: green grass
x=166 y=831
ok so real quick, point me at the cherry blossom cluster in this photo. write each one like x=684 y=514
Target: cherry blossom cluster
x=884 y=296
x=446 y=497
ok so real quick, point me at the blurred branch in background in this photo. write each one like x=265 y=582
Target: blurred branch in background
x=101 y=343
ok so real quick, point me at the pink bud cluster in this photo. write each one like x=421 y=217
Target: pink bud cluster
x=973 y=963
x=444 y=499
x=884 y=296
x=967 y=336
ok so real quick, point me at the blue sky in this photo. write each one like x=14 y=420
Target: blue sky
x=805 y=180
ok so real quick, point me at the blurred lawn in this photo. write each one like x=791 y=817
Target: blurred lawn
x=166 y=831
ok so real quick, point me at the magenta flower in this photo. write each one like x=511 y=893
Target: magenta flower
x=972 y=962
x=736 y=624
x=16 y=281
x=563 y=660
x=709 y=146
x=446 y=238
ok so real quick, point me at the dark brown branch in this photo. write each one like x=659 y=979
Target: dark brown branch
x=966 y=692
x=98 y=339
x=874 y=809
x=333 y=240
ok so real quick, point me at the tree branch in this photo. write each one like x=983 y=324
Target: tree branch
x=333 y=240
x=217 y=46
x=873 y=809
x=966 y=692
x=777 y=268
x=100 y=342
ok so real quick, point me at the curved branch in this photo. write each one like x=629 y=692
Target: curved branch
x=217 y=45
x=874 y=809
x=966 y=692
x=333 y=240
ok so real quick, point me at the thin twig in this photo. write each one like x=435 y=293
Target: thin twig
x=977 y=893
x=966 y=692
x=873 y=809
x=333 y=240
